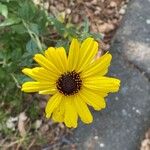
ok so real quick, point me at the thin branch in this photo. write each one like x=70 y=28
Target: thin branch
x=16 y=81
x=33 y=36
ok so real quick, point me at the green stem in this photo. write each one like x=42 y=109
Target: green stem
x=16 y=81
x=33 y=36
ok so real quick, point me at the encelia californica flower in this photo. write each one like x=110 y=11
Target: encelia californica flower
x=75 y=81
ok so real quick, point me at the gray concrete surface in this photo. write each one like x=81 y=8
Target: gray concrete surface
x=122 y=125
x=133 y=37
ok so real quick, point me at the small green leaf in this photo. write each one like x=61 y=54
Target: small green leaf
x=16 y=54
x=32 y=47
x=60 y=27
x=86 y=25
x=71 y=31
x=27 y=60
x=97 y=36
x=1 y=54
x=10 y=21
x=34 y=28
x=27 y=10
x=83 y=36
x=3 y=10
x=19 y=28
x=2 y=73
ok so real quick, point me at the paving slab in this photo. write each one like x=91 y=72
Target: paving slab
x=122 y=125
x=127 y=117
x=134 y=35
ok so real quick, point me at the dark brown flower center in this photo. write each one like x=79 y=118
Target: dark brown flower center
x=69 y=83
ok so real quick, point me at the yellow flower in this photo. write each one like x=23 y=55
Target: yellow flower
x=74 y=81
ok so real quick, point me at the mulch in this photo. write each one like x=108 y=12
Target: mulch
x=104 y=15
x=145 y=144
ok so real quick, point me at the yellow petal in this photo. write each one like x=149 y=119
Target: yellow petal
x=49 y=54
x=88 y=50
x=62 y=58
x=29 y=73
x=100 y=93
x=44 y=62
x=51 y=91
x=58 y=114
x=40 y=74
x=32 y=86
x=73 y=55
x=82 y=110
x=52 y=103
x=58 y=57
x=92 y=99
x=71 y=116
x=98 y=67
x=104 y=84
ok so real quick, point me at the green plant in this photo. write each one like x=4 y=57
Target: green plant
x=26 y=29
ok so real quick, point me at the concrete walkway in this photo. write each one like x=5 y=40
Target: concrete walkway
x=122 y=125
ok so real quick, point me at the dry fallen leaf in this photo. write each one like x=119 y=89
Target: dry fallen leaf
x=11 y=123
x=21 y=124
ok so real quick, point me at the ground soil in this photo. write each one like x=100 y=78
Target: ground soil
x=145 y=145
x=104 y=15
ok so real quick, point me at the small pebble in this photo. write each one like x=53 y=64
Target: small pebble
x=113 y=4
x=148 y=21
x=60 y=7
x=98 y=8
x=94 y=2
x=101 y=144
x=122 y=11
x=133 y=108
x=37 y=2
x=11 y=123
x=38 y=124
x=96 y=12
x=116 y=98
x=106 y=27
x=68 y=11
x=124 y=112
x=96 y=137
x=138 y=112
x=46 y=5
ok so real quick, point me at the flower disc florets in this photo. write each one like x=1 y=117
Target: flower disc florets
x=69 y=83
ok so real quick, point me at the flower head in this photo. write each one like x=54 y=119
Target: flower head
x=75 y=81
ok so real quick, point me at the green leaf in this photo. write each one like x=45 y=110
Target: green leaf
x=71 y=31
x=42 y=21
x=27 y=60
x=10 y=21
x=19 y=28
x=2 y=74
x=32 y=47
x=34 y=28
x=86 y=25
x=97 y=36
x=16 y=55
x=21 y=78
x=3 y=10
x=60 y=27
x=27 y=10
x=1 y=54
x=83 y=36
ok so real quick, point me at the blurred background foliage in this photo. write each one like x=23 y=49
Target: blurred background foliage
x=26 y=29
